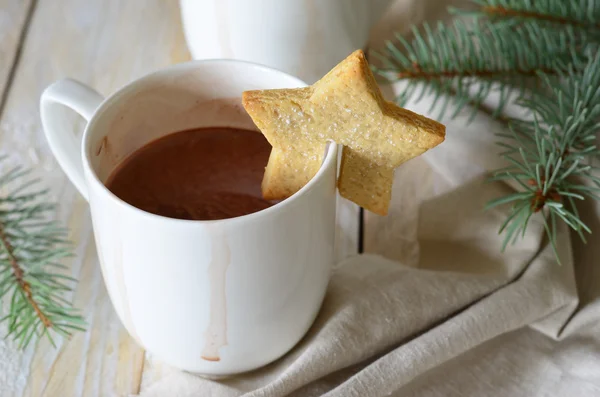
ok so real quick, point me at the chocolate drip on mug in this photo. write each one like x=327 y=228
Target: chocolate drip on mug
x=215 y=335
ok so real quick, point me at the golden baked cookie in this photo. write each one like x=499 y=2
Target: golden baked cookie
x=345 y=106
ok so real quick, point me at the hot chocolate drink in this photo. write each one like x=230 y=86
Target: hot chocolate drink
x=201 y=174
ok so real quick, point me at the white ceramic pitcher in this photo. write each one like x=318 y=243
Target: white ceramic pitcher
x=305 y=38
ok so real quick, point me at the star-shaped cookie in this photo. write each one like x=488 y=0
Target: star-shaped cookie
x=345 y=106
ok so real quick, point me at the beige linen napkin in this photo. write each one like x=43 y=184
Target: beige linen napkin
x=486 y=324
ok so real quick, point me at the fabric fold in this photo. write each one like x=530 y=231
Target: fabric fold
x=385 y=328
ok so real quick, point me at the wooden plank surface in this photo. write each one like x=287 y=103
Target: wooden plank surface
x=14 y=15
x=106 y=44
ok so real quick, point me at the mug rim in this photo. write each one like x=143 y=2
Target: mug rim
x=330 y=149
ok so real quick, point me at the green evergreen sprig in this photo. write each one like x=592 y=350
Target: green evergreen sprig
x=31 y=249
x=552 y=156
x=503 y=46
x=575 y=13
x=463 y=65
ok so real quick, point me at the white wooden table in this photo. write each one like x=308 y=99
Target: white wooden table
x=106 y=44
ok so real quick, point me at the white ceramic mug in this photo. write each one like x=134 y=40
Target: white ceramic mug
x=306 y=38
x=211 y=297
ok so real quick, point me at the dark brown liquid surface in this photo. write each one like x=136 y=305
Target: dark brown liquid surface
x=202 y=174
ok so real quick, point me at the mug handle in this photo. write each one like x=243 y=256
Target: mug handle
x=65 y=146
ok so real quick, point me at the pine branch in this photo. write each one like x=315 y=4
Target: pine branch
x=31 y=247
x=581 y=14
x=418 y=73
x=464 y=64
x=552 y=156
x=19 y=274
x=553 y=42
x=502 y=12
